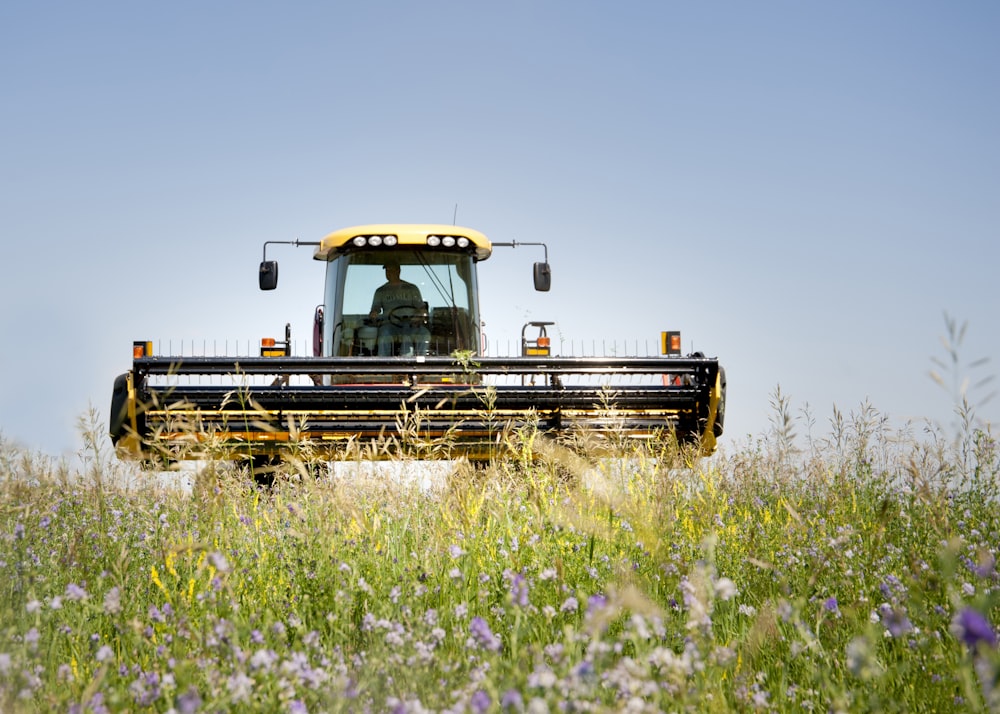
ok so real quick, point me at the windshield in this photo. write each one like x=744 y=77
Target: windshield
x=385 y=291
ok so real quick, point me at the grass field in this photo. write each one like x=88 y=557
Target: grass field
x=853 y=574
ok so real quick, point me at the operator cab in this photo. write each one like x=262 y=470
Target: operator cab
x=431 y=310
x=425 y=277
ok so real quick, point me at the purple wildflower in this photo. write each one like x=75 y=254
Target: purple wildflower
x=519 y=590
x=512 y=699
x=595 y=603
x=263 y=659
x=896 y=621
x=31 y=637
x=480 y=702
x=830 y=605
x=189 y=702
x=240 y=687
x=222 y=629
x=483 y=636
x=96 y=704
x=146 y=688
x=218 y=561
x=368 y=622
x=972 y=627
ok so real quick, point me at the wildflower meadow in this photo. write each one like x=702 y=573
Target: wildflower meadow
x=853 y=574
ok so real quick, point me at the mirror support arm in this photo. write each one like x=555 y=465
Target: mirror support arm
x=287 y=242
x=514 y=244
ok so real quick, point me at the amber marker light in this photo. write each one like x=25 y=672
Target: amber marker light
x=269 y=348
x=670 y=342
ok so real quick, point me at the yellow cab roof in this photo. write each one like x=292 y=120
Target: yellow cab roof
x=407 y=234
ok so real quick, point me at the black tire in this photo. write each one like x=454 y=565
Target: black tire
x=262 y=468
x=119 y=408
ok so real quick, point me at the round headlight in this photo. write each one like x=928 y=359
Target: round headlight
x=389 y=241
x=359 y=241
x=463 y=242
x=448 y=241
x=433 y=241
x=375 y=241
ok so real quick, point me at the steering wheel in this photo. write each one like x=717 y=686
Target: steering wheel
x=404 y=315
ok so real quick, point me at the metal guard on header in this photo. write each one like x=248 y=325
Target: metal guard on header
x=448 y=394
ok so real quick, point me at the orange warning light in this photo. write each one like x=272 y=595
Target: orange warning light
x=670 y=342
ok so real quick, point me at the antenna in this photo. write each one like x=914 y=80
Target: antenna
x=454 y=216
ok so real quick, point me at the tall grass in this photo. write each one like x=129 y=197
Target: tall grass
x=856 y=574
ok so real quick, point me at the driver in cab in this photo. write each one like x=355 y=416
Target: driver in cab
x=402 y=310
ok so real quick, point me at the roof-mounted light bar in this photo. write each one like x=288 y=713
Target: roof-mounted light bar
x=375 y=241
x=446 y=241
x=412 y=236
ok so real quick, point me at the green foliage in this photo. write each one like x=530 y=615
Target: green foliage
x=859 y=576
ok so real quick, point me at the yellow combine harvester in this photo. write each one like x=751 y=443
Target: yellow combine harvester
x=398 y=359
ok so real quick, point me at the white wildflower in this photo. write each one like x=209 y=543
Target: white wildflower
x=725 y=589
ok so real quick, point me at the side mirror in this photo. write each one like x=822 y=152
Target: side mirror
x=543 y=277
x=268 y=275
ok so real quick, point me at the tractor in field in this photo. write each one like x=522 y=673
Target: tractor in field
x=399 y=359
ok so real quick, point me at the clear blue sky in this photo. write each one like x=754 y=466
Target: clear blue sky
x=803 y=189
